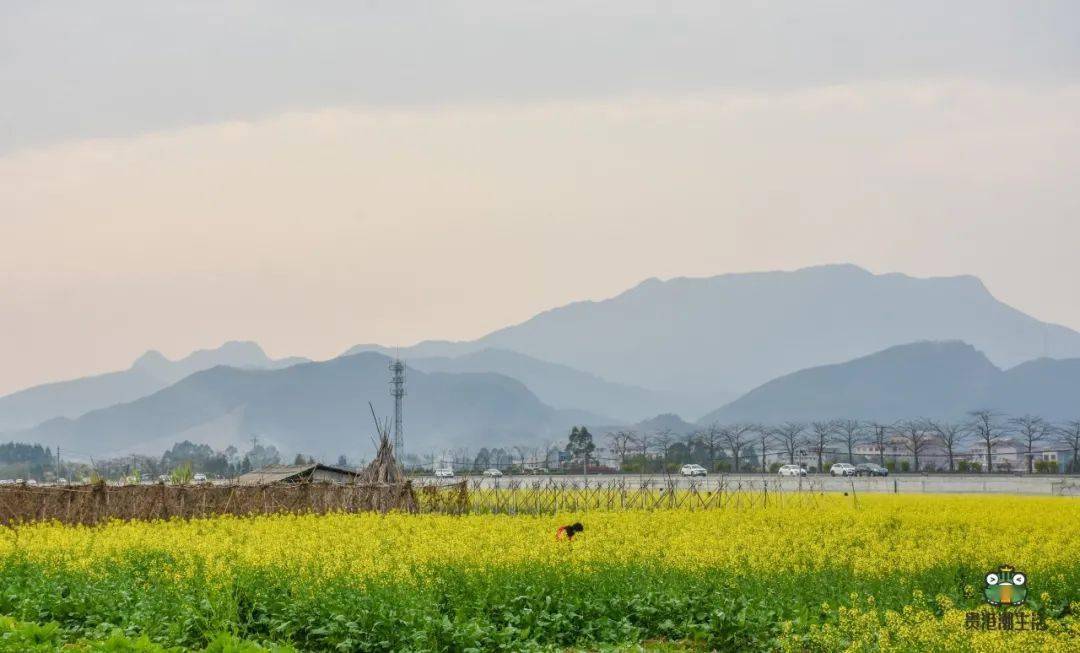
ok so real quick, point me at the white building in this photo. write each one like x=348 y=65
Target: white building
x=1007 y=455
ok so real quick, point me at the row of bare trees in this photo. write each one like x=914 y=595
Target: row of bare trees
x=715 y=442
x=919 y=438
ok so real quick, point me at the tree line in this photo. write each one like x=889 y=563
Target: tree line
x=20 y=459
x=37 y=462
x=744 y=446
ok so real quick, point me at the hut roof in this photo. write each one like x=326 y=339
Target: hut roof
x=291 y=473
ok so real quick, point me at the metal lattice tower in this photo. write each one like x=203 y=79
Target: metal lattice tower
x=397 y=391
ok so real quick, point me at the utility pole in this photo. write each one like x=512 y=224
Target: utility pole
x=58 y=463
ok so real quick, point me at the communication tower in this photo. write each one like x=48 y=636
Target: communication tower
x=397 y=391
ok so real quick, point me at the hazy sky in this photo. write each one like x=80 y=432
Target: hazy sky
x=389 y=172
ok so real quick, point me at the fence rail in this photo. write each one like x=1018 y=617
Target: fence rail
x=552 y=496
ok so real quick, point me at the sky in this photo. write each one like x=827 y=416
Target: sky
x=172 y=177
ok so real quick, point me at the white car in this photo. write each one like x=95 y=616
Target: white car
x=792 y=470
x=32 y=482
x=843 y=469
x=444 y=472
x=61 y=481
x=490 y=472
x=198 y=479
x=693 y=470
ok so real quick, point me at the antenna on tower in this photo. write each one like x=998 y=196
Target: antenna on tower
x=397 y=391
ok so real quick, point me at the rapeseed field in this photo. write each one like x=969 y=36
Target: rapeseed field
x=883 y=573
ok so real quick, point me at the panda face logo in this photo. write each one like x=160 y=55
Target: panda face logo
x=1006 y=586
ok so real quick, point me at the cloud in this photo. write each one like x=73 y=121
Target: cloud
x=126 y=67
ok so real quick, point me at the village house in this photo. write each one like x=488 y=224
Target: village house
x=1008 y=455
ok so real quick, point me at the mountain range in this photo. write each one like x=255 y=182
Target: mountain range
x=313 y=407
x=926 y=379
x=711 y=339
x=148 y=374
x=819 y=342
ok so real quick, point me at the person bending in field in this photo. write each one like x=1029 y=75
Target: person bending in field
x=568 y=531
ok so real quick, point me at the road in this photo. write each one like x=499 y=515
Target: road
x=1051 y=485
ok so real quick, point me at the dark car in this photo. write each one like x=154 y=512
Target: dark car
x=870 y=469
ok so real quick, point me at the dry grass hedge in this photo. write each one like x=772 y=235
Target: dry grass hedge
x=97 y=503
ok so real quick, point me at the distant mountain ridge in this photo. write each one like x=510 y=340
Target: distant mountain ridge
x=718 y=336
x=925 y=379
x=316 y=408
x=148 y=374
x=243 y=354
x=560 y=386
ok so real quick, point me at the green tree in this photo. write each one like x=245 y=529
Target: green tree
x=581 y=445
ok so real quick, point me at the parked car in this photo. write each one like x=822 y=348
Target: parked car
x=61 y=481
x=444 y=472
x=693 y=470
x=870 y=469
x=198 y=479
x=842 y=469
x=792 y=470
x=492 y=472
x=32 y=482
